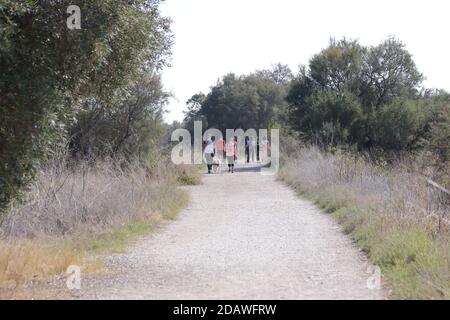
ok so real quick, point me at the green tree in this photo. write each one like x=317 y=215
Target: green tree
x=351 y=94
x=250 y=101
x=130 y=125
x=388 y=72
x=401 y=124
x=438 y=137
x=335 y=117
x=338 y=67
x=193 y=113
x=49 y=70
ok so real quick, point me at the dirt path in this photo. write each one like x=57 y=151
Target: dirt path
x=244 y=236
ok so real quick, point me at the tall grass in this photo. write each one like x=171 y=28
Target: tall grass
x=75 y=209
x=389 y=210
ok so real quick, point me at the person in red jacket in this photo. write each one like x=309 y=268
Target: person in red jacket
x=231 y=154
x=220 y=148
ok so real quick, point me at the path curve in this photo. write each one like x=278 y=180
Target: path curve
x=244 y=236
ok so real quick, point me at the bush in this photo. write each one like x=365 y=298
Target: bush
x=401 y=124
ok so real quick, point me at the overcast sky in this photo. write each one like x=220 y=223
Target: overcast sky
x=215 y=37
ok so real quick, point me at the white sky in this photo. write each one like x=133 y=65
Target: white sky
x=215 y=37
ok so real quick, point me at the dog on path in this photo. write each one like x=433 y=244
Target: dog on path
x=216 y=163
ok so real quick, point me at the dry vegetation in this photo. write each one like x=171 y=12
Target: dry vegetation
x=75 y=211
x=389 y=210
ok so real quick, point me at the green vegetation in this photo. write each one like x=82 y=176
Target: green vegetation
x=55 y=80
x=190 y=175
x=370 y=100
x=377 y=135
x=118 y=239
x=367 y=97
x=71 y=216
x=252 y=101
x=189 y=180
x=391 y=214
x=84 y=149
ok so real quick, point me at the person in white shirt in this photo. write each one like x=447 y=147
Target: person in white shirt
x=209 y=154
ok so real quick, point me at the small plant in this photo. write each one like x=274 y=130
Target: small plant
x=187 y=179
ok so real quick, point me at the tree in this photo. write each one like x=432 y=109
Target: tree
x=250 y=101
x=335 y=117
x=367 y=96
x=388 y=71
x=48 y=71
x=131 y=125
x=400 y=124
x=281 y=74
x=338 y=66
x=438 y=137
x=193 y=113
x=299 y=116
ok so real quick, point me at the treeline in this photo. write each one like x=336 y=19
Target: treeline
x=96 y=91
x=256 y=100
x=352 y=96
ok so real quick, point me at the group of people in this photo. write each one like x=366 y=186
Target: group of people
x=216 y=151
x=213 y=150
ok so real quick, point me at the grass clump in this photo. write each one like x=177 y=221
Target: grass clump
x=189 y=175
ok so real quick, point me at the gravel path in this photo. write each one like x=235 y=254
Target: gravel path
x=244 y=236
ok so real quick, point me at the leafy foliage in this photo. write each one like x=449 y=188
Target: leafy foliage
x=49 y=71
x=251 y=101
x=129 y=125
x=361 y=96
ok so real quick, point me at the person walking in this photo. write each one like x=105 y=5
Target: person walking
x=263 y=149
x=220 y=148
x=247 y=149
x=252 y=149
x=231 y=154
x=209 y=154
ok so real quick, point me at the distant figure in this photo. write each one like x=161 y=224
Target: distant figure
x=247 y=149
x=252 y=149
x=263 y=149
x=231 y=154
x=220 y=148
x=209 y=154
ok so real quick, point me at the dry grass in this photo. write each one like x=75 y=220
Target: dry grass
x=390 y=211
x=89 y=198
x=25 y=259
x=73 y=212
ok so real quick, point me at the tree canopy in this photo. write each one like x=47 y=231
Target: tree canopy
x=250 y=101
x=351 y=94
x=50 y=73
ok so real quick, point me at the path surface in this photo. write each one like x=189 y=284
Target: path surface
x=244 y=236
